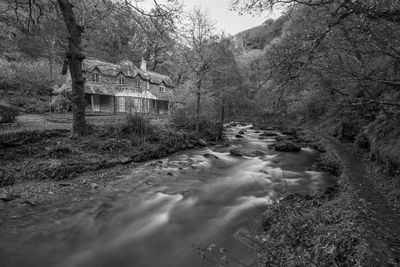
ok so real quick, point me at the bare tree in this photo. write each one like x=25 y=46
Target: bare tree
x=201 y=39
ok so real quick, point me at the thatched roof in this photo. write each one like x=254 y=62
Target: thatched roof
x=127 y=68
x=157 y=78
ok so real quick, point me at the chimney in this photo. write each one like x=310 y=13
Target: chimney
x=143 y=65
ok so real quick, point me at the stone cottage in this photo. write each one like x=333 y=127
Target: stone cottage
x=124 y=88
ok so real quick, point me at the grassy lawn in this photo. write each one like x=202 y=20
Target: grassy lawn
x=54 y=121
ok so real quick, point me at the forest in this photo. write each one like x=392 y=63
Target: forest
x=313 y=94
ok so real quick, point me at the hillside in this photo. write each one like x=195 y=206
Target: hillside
x=258 y=37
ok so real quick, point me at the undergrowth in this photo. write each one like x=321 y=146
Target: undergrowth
x=316 y=230
x=57 y=156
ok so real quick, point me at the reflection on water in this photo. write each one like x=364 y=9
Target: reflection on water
x=199 y=196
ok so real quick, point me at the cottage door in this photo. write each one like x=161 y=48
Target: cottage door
x=96 y=103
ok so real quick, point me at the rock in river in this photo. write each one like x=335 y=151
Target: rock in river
x=266 y=134
x=239 y=136
x=202 y=142
x=283 y=138
x=241 y=132
x=210 y=156
x=287 y=147
x=238 y=152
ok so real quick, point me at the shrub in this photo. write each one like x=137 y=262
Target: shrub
x=114 y=144
x=61 y=103
x=61 y=150
x=208 y=128
x=181 y=118
x=137 y=125
x=7 y=175
x=8 y=113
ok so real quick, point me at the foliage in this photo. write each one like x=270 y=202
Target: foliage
x=60 y=103
x=138 y=125
x=323 y=53
x=183 y=117
x=60 y=150
x=28 y=77
x=8 y=175
x=383 y=137
x=317 y=230
x=8 y=113
x=216 y=256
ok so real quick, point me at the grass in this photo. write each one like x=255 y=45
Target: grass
x=46 y=151
x=316 y=230
x=384 y=139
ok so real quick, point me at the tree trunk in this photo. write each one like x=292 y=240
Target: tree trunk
x=75 y=57
x=198 y=107
x=221 y=123
x=52 y=43
x=198 y=114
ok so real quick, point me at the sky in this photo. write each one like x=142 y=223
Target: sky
x=229 y=21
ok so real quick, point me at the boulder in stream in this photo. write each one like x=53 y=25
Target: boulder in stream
x=267 y=134
x=236 y=152
x=287 y=147
x=280 y=138
x=94 y=185
x=6 y=196
x=290 y=131
x=241 y=132
x=210 y=156
x=202 y=142
x=255 y=153
x=271 y=146
x=239 y=152
x=239 y=136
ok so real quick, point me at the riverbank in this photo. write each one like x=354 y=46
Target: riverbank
x=350 y=225
x=47 y=156
x=318 y=229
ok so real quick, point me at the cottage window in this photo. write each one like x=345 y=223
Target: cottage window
x=95 y=77
x=138 y=82
x=162 y=89
x=120 y=104
x=121 y=79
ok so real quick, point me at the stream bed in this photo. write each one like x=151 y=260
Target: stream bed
x=166 y=209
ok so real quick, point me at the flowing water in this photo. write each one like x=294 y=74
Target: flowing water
x=202 y=196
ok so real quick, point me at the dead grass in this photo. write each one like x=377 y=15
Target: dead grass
x=317 y=230
x=384 y=139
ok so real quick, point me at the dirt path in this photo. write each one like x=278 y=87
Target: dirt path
x=381 y=222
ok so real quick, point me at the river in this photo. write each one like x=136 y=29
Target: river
x=199 y=198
